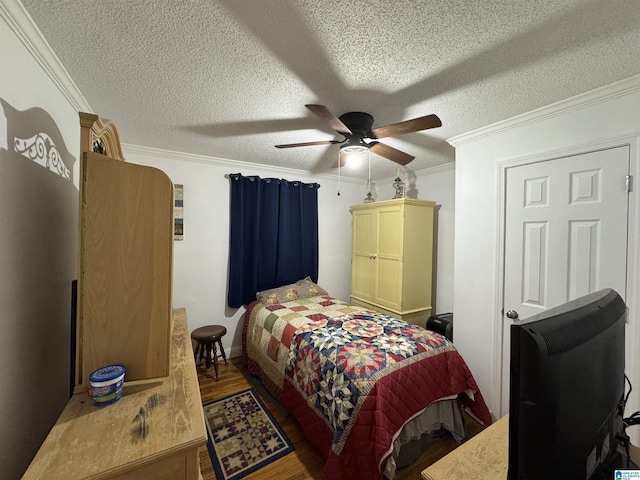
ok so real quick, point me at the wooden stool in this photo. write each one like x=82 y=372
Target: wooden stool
x=207 y=338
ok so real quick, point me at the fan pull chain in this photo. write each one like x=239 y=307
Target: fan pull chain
x=369 y=174
x=369 y=197
x=339 y=174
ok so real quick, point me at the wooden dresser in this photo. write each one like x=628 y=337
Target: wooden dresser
x=391 y=258
x=155 y=430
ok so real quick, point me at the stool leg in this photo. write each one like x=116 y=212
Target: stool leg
x=207 y=349
x=198 y=351
x=215 y=358
x=224 y=357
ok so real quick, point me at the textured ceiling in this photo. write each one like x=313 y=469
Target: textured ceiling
x=230 y=78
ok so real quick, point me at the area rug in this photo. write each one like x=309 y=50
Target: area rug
x=243 y=435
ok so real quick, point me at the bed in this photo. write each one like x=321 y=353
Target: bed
x=365 y=388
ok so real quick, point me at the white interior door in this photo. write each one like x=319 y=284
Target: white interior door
x=565 y=235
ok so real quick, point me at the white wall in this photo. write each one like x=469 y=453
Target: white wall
x=607 y=116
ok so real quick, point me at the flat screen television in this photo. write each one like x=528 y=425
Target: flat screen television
x=567 y=390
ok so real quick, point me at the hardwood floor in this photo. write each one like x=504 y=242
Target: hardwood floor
x=305 y=462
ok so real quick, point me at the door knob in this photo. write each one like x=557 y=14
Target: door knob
x=512 y=314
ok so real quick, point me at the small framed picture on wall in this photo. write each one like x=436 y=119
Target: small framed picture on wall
x=178 y=212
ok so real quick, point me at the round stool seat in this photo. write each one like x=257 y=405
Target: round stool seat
x=208 y=338
x=209 y=332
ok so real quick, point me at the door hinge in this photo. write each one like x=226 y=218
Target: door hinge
x=628 y=182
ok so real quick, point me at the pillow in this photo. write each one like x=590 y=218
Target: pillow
x=294 y=291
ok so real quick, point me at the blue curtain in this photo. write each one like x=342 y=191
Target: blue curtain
x=273 y=238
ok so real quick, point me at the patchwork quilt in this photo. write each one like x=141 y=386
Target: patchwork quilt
x=269 y=329
x=353 y=377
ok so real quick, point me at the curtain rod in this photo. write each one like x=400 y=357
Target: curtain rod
x=230 y=176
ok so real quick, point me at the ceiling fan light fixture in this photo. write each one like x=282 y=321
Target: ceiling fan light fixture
x=354 y=154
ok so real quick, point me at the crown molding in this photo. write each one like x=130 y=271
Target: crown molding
x=583 y=100
x=23 y=26
x=445 y=167
x=217 y=161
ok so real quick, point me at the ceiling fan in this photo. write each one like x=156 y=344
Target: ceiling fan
x=356 y=127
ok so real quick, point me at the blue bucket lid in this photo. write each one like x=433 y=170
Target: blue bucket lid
x=107 y=373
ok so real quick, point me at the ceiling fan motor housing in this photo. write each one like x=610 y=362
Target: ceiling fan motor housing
x=360 y=124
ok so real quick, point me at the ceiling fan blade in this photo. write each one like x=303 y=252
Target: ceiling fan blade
x=333 y=121
x=391 y=153
x=408 y=126
x=308 y=144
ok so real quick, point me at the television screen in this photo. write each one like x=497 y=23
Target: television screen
x=567 y=389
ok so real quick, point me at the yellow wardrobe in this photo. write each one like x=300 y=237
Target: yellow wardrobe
x=391 y=258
